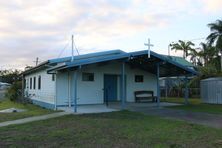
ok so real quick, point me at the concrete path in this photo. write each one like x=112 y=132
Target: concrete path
x=207 y=119
x=2 y=94
x=35 y=118
x=88 y=109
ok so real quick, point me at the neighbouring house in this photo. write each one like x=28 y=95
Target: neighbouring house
x=97 y=78
x=4 y=85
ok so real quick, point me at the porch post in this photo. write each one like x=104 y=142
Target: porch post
x=186 y=95
x=123 y=89
x=75 y=90
x=69 y=89
x=55 y=99
x=158 y=85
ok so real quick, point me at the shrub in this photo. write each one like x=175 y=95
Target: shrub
x=14 y=92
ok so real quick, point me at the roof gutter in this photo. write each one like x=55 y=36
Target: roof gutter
x=35 y=68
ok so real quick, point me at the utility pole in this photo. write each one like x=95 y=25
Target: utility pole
x=36 y=61
x=169 y=49
x=72 y=50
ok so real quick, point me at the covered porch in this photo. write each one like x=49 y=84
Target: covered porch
x=160 y=66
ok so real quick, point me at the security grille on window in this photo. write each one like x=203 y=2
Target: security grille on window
x=27 y=83
x=39 y=82
x=88 y=76
x=24 y=83
x=30 y=83
x=139 y=78
x=34 y=82
x=53 y=77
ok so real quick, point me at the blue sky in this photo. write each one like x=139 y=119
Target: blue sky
x=37 y=28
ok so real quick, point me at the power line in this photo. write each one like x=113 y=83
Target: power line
x=197 y=39
x=61 y=52
x=75 y=46
x=194 y=39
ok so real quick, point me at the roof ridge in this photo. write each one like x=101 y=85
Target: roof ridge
x=88 y=55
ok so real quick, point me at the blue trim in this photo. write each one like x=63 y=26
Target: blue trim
x=85 y=56
x=158 y=84
x=43 y=104
x=96 y=60
x=75 y=90
x=123 y=55
x=123 y=89
x=126 y=55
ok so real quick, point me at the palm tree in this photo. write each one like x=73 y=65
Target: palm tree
x=216 y=37
x=184 y=46
x=209 y=53
x=205 y=56
x=194 y=57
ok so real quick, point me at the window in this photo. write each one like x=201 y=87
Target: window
x=24 y=83
x=53 y=77
x=30 y=83
x=34 y=82
x=27 y=86
x=39 y=82
x=139 y=78
x=88 y=76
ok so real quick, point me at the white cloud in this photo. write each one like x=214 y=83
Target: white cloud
x=41 y=28
x=212 y=6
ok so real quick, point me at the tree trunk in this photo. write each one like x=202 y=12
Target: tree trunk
x=184 y=54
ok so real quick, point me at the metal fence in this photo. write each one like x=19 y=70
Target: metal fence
x=180 y=92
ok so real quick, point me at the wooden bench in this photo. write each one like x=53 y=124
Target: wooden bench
x=144 y=96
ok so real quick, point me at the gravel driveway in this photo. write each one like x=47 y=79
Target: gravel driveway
x=212 y=120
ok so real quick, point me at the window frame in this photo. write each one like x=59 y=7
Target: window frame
x=39 y=82
x=34 y=83
x=24 y=83
x=30 y=83
x=88 y=77
x=139 y=79
x=27 y=81
x=53 y=77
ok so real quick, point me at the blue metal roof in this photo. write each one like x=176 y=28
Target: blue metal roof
x=114 y=55
x=86 y=56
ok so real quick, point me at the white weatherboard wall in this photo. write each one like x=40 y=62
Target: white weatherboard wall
x=91 y=92
x=46 y=93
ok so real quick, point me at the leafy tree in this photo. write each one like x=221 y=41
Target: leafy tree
x=195 y=58
x=208 y=53
x=9 y=76
x=185 y=46
x=14 y=92
x=215 y=37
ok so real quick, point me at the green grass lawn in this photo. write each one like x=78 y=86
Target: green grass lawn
x=116 y=129
x=195 y=105
x=181 y=100
x=32 y=110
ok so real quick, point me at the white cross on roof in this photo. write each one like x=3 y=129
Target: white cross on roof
x=148 y=45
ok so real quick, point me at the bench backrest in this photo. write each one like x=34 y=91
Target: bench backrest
x=143 y=92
